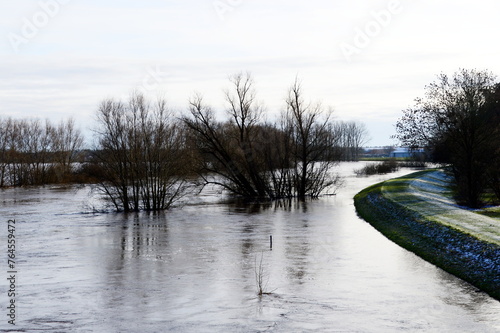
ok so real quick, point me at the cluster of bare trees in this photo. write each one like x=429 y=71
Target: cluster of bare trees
x=142 y=157
x=350 y=138
x=146 y=158
x=256 y=159
x=458 y=121
x=145 y=155
x=33 y=152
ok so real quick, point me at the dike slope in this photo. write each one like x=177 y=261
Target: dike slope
x=416 y=212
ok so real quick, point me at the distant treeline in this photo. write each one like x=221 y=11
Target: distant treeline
x=35 y=152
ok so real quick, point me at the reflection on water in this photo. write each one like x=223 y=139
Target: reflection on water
x=193 y=269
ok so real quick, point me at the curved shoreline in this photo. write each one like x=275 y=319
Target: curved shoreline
x=414 y=212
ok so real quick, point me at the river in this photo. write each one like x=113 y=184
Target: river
x=193 y=269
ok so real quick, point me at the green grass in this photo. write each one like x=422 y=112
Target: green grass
x=491 y=212
x=409 y=221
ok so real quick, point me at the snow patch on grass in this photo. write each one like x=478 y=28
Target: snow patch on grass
x=430 y=196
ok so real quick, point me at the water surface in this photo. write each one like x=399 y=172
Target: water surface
x=193 y=269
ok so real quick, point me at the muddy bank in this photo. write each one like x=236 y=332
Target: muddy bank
x=457 y=252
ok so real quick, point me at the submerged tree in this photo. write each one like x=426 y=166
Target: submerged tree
x=457 y=124
x=310 y=135
x=259 y=160
x=141 y=152
x=229 y=149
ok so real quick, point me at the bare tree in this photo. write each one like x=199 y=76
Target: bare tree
x=352 y=135
x=240 y=153
x=13 y=159
x=142 y=154
x=309 y=127
x=232 y=150
x=224 y=153
x=66 y=142
x=32 y=144
x=6 y=128
x=245 y=113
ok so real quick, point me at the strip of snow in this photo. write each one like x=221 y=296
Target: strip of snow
x=430 y=197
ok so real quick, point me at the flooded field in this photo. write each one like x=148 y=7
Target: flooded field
x=194 y=269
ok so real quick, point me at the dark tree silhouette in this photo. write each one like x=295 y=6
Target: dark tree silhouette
x=456 y=123
x=141 y=153
x=258 y=160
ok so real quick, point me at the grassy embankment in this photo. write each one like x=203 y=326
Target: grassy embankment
x=416 y=212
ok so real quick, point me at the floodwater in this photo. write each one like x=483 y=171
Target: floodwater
x=194 y=268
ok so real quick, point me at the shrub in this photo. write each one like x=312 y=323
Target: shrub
x=386 y=166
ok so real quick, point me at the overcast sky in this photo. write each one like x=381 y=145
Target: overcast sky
x=367 y=59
